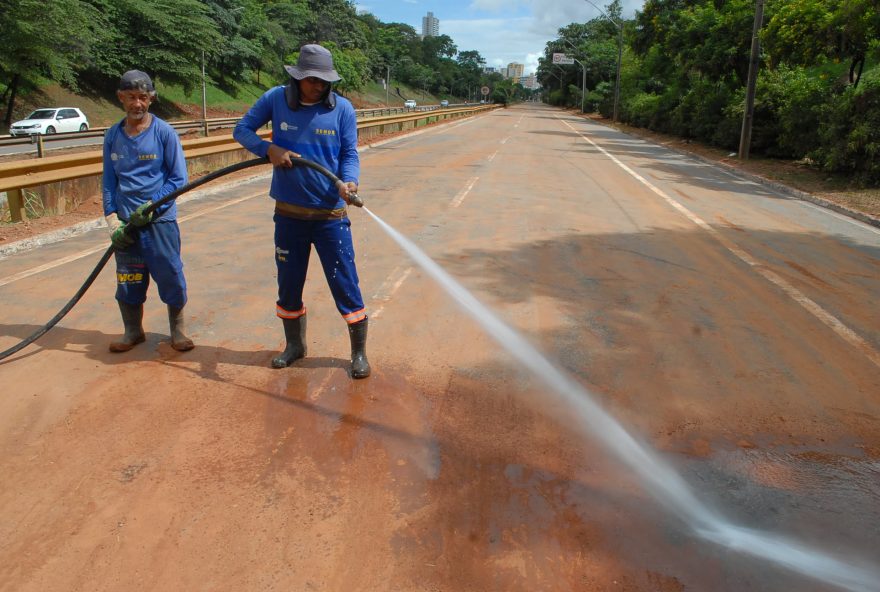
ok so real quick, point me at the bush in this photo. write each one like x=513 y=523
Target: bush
x=850 y=135
x=641 y=110
x=788 y=112
x=701 y=109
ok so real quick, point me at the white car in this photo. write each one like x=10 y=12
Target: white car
x=410 y=103
x=57 y=120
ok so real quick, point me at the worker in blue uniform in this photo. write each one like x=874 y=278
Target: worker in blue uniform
x=311 y=121
x=143 y=162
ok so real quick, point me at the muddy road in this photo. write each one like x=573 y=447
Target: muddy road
x=734 y=331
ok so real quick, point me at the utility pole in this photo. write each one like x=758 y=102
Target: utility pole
x=387 y=81
x=204 y=98
x=745 y=138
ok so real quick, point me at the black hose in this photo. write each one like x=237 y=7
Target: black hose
x=353 y=198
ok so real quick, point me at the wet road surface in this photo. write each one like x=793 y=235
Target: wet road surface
x=729 y=328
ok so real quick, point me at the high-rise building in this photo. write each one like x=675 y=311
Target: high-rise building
x=514 y=70
x=430 y=25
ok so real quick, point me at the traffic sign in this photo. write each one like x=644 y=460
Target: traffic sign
x=484 y=91
x=562 y=59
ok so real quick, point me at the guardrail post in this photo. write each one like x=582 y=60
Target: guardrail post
x=205 y=127
x=39 y=145
x=16 y=205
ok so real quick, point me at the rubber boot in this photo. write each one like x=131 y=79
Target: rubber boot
x=360 y=367
x=132 y=319
x=295 y=335
x=179 y=340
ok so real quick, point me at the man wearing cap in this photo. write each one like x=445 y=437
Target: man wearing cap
x=143 y=162
x=311 y=121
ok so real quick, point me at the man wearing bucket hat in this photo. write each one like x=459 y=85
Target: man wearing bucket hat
x=144 y=162
x=311 y=121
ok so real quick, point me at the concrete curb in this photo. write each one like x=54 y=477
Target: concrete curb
x=60 y=234
x=775 y=185
x=785 y=189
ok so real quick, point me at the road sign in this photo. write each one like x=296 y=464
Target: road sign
x=484 y=91
x=562 y=59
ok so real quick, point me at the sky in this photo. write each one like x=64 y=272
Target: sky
x=503 y=31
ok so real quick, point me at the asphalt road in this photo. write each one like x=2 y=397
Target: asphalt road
x=731 y=330
x=51 y=146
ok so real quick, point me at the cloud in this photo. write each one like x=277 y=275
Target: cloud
x=522 y=36
x=499 y=41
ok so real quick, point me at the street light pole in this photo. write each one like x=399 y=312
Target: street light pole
x=619 y=58
x=583 y=78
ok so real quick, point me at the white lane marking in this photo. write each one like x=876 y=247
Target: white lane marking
x=519 y=121
x=832 y=322
x=316 y=394
x=385 y=294
x=70 y=258
x=492 y=157
x=463 y=193
x=47 y=266
x=504 y=141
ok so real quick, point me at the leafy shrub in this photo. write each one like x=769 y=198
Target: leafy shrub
x=641 y=109
x=850 y=134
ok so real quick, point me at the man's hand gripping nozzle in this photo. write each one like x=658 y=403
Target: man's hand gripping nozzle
x=352 y=198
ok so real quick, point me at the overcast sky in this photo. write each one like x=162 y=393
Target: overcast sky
x=503 y=31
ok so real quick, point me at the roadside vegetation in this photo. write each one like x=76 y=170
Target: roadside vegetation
x=84 y=45
x=685 y=66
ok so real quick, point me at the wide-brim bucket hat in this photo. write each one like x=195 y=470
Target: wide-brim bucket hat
x=316 y=61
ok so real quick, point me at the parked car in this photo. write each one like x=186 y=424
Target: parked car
x=410 y=103
x=444 y=103
x=56 y=120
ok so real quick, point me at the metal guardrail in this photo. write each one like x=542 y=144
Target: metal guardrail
x=17 y=175
x=204 y=125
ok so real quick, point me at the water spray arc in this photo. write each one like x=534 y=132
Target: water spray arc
x=660 y=479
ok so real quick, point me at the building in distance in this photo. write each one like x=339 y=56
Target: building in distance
x=430 y=26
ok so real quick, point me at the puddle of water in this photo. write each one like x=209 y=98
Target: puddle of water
x=658 y=477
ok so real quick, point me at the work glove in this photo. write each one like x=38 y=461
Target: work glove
x=138 y=218
x=121 y=241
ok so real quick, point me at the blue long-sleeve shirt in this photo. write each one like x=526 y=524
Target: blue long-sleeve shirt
x=322 y=135
x=144 y=168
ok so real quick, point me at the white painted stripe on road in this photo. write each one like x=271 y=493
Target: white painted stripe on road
x=463 y=193
x=835 y=324
x=385 y=294
x=504 y=141
x=70 y=258
x=492 y=157
x=46 y=267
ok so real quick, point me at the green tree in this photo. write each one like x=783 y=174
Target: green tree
x=162 y=37
x=43 y=40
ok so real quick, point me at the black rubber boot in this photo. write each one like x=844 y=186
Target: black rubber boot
x=295 y=334
x=360 y=366
x=132 y=319
x=179 y=340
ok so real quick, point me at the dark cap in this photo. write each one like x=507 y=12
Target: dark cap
x=316 y=61
x=136 y=80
